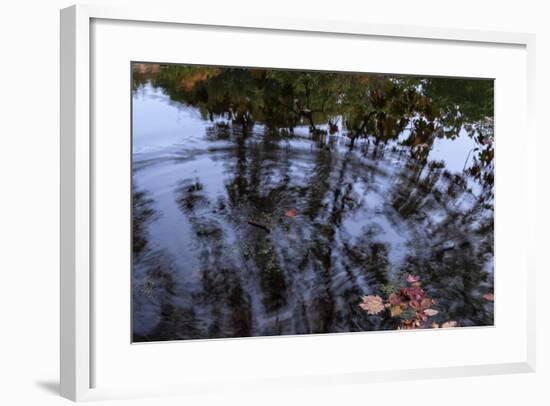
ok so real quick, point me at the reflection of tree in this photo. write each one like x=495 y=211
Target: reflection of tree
x=152 y=277
x=305 y=274
x=142 y=214
x=249 y=198
x=460 y=242
x=221 y=295
x=372 y=106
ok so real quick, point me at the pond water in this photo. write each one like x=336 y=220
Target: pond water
x=240 y=230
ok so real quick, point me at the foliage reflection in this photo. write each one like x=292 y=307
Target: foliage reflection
x=291 y=194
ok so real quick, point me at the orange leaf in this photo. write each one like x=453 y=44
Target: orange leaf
x=395 y=311
x=426 y=303
x=372 y=304
x=291 y=213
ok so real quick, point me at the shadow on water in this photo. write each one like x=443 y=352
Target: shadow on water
x=268 y=202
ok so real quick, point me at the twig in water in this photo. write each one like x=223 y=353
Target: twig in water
x=253 y=223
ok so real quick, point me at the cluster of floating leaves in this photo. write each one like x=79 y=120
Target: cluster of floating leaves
x=409 y=303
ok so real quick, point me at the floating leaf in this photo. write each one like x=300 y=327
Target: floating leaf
x=408 y=314
x=412 y=279
x=395 y=311
x=489 y=296
x=414 y=304
x=426 y=303
x=414 y=293
x=394 y=299
x=410 y=304
x=372 y=304
x=388 y=289
x=430 y=312
x=291 y=213
x=408 y=325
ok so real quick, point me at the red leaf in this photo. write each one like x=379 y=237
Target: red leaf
x=394 y=299
x=412 y=279
x=489 y=296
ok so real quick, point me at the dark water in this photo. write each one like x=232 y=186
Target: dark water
x=243 y=229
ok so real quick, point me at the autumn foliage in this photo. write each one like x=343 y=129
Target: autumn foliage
x=409 y=303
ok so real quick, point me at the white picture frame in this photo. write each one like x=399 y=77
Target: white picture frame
x=77 y=281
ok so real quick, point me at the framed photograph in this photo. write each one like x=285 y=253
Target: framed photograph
x=291 y=202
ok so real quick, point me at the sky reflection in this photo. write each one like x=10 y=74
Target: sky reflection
x=267 y=203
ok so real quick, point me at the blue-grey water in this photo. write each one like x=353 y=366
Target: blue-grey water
x=329 y=225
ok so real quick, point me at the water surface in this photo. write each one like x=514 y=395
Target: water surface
x=249 y=221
